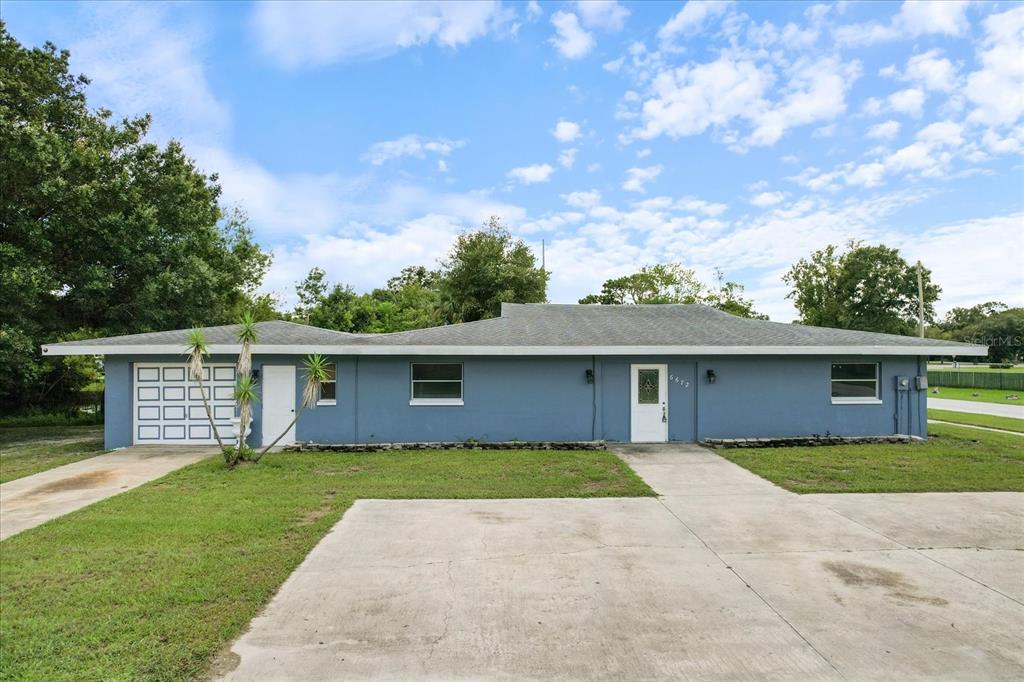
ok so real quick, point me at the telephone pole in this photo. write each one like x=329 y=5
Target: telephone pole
x=920 y=302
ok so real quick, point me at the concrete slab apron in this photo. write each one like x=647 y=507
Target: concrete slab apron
x=524 y=589
x=33 y=500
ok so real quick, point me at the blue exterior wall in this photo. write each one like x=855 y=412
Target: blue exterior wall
x=548 y=398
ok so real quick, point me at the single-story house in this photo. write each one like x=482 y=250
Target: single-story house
x=640 y=373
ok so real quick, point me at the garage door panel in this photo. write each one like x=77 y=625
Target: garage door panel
x=168 y=404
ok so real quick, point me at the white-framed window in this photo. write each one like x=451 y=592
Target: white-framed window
x=329 y=387
x=435 y=383
x=855 y=382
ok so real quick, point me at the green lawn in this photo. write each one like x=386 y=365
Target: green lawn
x=150 y=584
x=973 y=368
x=953 y=459
x=31 y=449
x=1005 y=423
x=985 y=395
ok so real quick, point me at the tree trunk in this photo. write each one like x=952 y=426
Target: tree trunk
x=209 y=415
x=287 y=429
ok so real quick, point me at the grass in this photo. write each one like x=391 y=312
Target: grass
x=989 y=421
x=1016 y=369
x=152 y=583
x=29 y=450
x=953 y=459
x=985 y=395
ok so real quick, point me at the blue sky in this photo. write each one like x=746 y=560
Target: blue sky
x=362 y=138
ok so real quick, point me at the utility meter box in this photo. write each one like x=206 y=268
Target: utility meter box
x=922 y=382
x=902 y=383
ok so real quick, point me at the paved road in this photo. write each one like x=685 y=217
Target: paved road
x=30 y=501
x=725 y=576
x=994 y=409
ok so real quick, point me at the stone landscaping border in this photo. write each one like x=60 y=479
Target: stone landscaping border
x=463 y=445
x=802 y=441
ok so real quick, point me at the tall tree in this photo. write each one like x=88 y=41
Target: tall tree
x=102 y=232
x=672 y=283
x=870 y=288
x=485 y=268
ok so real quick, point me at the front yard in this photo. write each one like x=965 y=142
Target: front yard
x=31 y=449
x=955 y=459
x=152 y=583
x=979 y=395
x=986 y=420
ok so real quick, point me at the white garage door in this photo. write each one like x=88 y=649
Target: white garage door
x=168 y=407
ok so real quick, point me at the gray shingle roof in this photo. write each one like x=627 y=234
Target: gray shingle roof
x=554 y=326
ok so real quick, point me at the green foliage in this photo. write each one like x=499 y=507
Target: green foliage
x=991 y=324
x=101 y=229
x=672 y=283
x=485 y=268
x=869 y=288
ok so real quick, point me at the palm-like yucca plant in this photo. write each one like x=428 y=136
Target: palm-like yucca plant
x=246 y=337
x=196 y=349
x=315 y=367
x=245 y=396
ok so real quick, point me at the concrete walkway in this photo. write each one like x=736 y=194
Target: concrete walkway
x=30 y=501
x=725 y=576
x=972 y=407
x=975 y=426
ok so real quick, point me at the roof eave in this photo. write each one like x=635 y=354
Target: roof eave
x=371 y=349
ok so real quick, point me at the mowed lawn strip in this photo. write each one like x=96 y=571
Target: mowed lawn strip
x=984 y=395
x=954 y=459
x=31 y=449
x=150 y=584
x=986 y=420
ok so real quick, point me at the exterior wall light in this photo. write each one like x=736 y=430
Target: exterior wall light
x=255 y=374
x=711 y=376
x=590 y=376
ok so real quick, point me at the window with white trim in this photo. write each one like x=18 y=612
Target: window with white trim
x=855 y=382
x=329 y=386
x=436 y=383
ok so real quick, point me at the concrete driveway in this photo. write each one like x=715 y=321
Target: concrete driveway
x=30 y=501
x=974 y=407
x=725 y=576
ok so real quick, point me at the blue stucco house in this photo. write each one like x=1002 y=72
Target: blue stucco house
x=539 y=372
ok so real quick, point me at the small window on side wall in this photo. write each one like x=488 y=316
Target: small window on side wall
x=855 y=382
x=436 y=383
x=329 y=387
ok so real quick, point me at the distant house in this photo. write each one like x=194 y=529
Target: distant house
x=539 y=372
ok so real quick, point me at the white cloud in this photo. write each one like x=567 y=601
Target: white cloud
x=767 y=199
x=570 y=39
x=942 y=133
x=138 y=65
x=528 y=175
x=691 y=19
x=909 y=101
x=643 y=153
x=567 y=157
x=608 y=15
x=551 y=222
x=410 y=145
x=932 y=71
x=442 y=166
x=969 y=259
x=582 y=199
x=317 y=33
x=566 y=131
x=690 y=99
x=884 y=131
x=637 y=178
x=534 y=10
x=997 y=89
x=915 y=18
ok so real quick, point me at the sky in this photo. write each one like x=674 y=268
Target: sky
x=362 y=138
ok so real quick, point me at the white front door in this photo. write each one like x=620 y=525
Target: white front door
x=278 y=403
x=648 y=403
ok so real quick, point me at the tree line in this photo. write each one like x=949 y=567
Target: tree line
x=104 y=233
